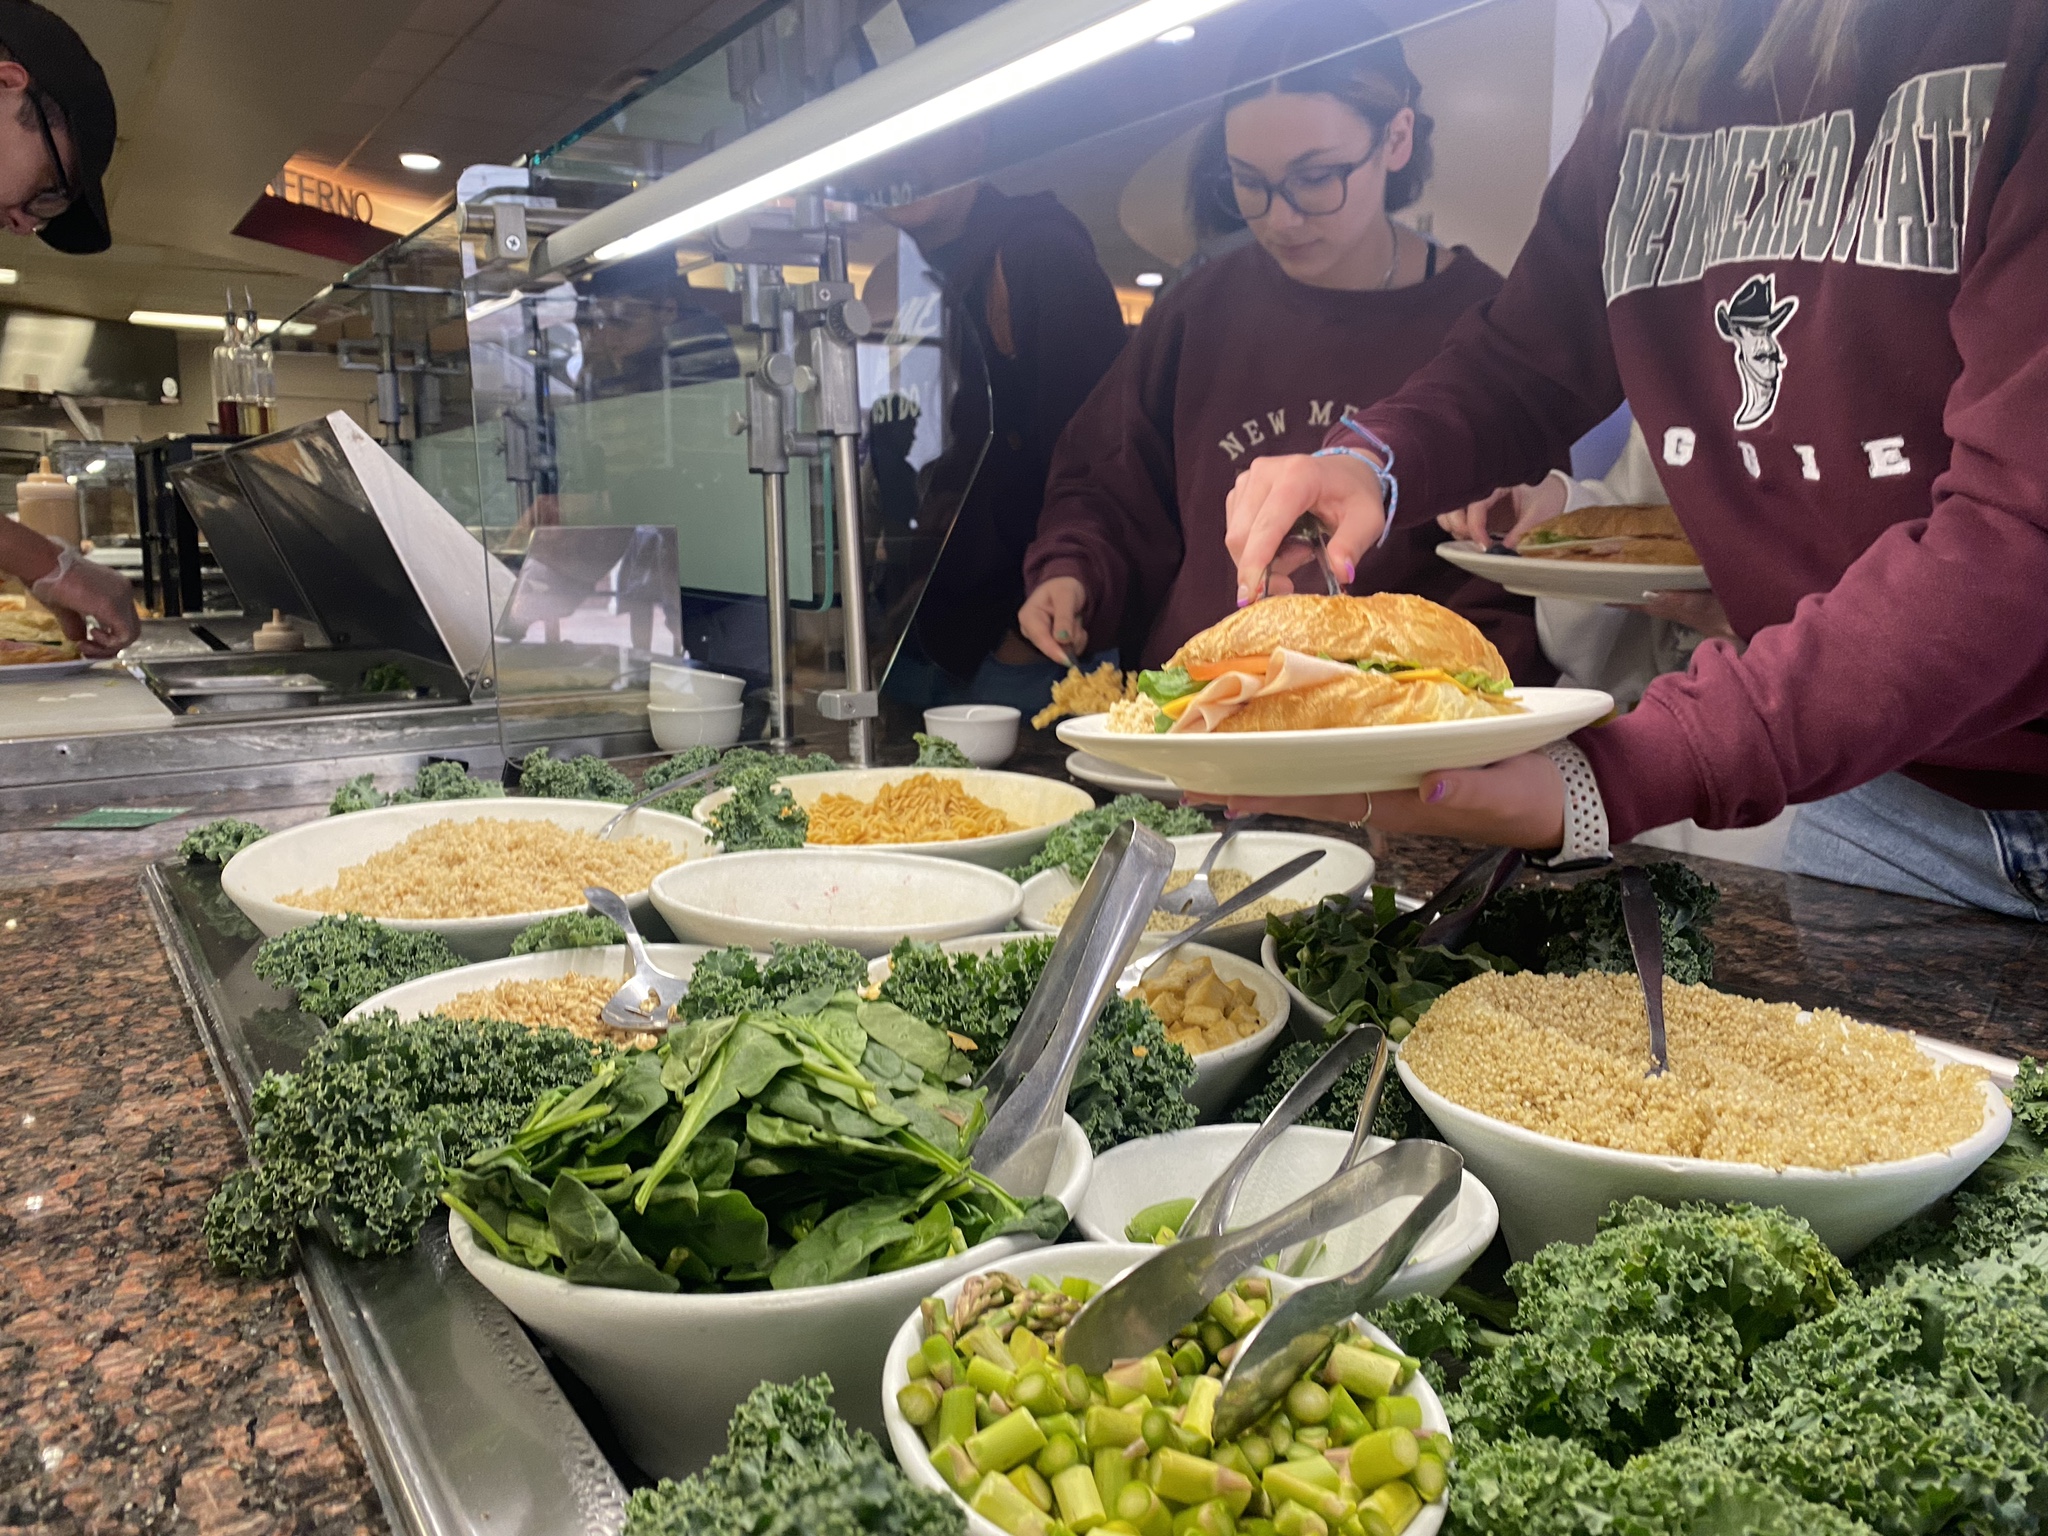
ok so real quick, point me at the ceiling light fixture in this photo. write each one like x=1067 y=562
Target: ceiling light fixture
x=172 y=320
x=419 y=160
x=812 y=142
x=9 y=275
x=1149 y=280
x=1177 y=35
x=95 y=466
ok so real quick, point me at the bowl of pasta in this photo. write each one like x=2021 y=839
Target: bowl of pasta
x=976 y=815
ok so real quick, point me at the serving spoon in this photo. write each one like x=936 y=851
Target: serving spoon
x=1196 y=898
x=604 y=832
x=1645 y=927
x=627 y=1008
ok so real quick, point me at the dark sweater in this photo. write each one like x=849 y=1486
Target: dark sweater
x=1839 y=356
x=1236 y=362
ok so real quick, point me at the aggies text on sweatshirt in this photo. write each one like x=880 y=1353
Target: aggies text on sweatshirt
x=1827 y=303
x=1235 y=362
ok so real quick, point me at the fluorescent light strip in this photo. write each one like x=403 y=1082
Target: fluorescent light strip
x=1140 y=24
x=173 y=321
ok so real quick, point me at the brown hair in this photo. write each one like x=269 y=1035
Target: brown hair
x=1320 y=48
x=1697 y=42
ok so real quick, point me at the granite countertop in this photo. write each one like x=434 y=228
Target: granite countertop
x=140 y=1392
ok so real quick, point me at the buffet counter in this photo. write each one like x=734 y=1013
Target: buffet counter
x=140 y=1390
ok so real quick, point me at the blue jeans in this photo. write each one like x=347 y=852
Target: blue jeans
x=1895 y=835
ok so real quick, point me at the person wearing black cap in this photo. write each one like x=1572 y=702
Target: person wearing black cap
x=56 y=131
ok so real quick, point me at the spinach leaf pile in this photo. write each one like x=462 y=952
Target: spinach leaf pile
x=793 y=1467
x=353 y=1144
x=820 y=1142
x=1361 y=963
x=1131 y=1078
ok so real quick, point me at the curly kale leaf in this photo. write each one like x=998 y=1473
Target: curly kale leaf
x=2029 y=1099
x=580 y=778
x=357 y=794
x=732 y=763
x=446 y=780
x=355 y=1144
x=1337 y=1110
x=731 y=981
x=569 y=930
x=1131 y=1078
x=1075 y=842
x=1432 y=1330
x=1644 y=1332
x=760 y=814
x=792 y=1467
x=939 y=752
x=219 y=841
x=387 y=677
x=339 y=961
x=1566 y=930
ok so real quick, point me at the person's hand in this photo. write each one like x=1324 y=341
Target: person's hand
x=1051 y=618
x=94 y=606
x=1270 y=497
x=1526 y=506
x=1695 y=610
x=1515 y=804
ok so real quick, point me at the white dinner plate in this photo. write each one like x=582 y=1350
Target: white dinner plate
x=1583 y=581
x=42 y=671
x=1347 y=760
x=1116 y=778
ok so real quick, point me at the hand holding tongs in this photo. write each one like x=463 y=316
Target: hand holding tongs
x=1309 y=530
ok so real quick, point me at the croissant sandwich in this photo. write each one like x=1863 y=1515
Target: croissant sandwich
x=1618 y=535
x=1310 y=663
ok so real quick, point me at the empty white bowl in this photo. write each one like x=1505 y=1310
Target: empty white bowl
x=1142 y=1173
x=309 y=857
x=669 y=1370
x=676 y=726
x=1553 y=1190
x=1345 y=867
x=987 y=733
x=1036 y=804
x=668 y=681
x=852 y=897
x=1102 y=1263
x=417 y=998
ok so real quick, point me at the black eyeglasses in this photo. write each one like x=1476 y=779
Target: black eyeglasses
x=51 y=201
x=1317 y=192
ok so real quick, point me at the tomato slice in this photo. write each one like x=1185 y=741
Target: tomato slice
x=1209 y=671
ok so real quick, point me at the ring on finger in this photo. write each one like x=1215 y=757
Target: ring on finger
x=1359 y=825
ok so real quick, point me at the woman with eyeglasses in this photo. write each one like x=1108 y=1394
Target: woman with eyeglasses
x=1261 y=351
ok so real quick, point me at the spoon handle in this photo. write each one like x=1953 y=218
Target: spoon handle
x=669 y=788
x=1646 y=942
x=609 y=904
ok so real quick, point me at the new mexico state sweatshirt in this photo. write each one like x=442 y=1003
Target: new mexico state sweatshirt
x=1827 y=303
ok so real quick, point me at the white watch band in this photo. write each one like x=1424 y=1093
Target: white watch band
x=1585 y=814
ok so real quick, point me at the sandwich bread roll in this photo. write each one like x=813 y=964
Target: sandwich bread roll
x=1627 y=535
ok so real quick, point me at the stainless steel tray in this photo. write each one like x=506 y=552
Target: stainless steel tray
x=465 y=1431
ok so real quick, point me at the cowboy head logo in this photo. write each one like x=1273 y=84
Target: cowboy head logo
x=1750 y=323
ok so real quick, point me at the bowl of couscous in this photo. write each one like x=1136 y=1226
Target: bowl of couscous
x=1540 y=1082
x=477 y=872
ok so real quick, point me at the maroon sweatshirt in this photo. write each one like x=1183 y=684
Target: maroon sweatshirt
x=1832 y=323
x=1238 y=361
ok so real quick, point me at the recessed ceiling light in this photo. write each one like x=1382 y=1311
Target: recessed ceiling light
x=1150 y=280
x=1177 y=35
x=9 y=275
x=419 y=160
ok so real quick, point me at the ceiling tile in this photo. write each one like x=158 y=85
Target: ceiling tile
x=497 y=66
x=613 y=32
x=382 y=89
x=411 y=53
x=457 y=99
x=449 y=18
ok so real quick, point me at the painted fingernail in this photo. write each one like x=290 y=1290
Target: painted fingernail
x=1244 y=598
x=1350 y=571
x=1437 y=791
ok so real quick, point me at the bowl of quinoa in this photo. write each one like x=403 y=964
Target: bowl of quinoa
x=477 y=872
x=1541 y=1083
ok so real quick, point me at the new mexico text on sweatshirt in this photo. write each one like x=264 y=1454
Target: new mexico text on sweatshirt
x=1832 y=322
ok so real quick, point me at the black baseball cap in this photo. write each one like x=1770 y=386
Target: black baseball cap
x=63 y=69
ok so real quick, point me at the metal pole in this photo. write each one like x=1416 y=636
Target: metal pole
x=853 y=608
x=779 y=735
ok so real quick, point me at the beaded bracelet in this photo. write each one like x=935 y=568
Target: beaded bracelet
x=1382 y=468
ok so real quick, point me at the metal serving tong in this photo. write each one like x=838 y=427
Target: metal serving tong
x=1447 y=917
x=1645 y=926
x=669 y=788
x=1153 y=1302
x=1258 y=890
x=627 y=1008
x=1309 y=530
x=1027 y=1083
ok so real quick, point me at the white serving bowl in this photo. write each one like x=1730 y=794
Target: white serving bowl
x=987 y=733
x=1142 y=1173
x=309 y=857
x=676 y=726
x=414 y=999
x=1218 y=1074
x=1311 y=1019
x=1344 y=868
x=669 y=1370
x=855 y=897
x=667 y=681
x=1102 y=1263
x=1036 y=804
x=1552 y=1190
